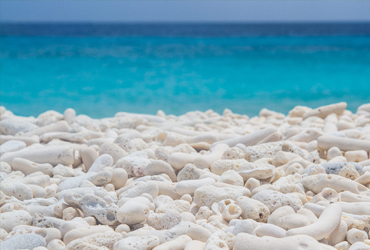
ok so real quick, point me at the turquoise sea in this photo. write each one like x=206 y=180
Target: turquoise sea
x=102 y=69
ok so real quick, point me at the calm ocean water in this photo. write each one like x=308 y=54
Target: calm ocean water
x=102 y=69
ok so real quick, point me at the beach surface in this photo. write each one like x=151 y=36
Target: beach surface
x=201 y=180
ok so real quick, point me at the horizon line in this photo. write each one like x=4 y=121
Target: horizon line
x=190 y=22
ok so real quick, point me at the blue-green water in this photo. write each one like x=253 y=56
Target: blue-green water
x=102 y=74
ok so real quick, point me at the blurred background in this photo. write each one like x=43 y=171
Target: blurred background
x=102 y=57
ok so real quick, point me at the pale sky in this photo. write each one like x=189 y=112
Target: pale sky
x=183 y=11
